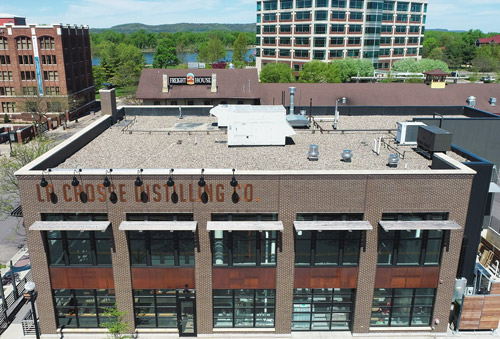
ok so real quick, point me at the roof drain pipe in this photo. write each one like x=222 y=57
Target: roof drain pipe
x=291 y=90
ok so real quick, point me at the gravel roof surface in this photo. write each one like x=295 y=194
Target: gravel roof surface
x=195 y=142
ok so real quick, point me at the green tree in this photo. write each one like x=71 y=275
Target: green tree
x=240 y=48
x=99 y=77
x=130 y=66
x=436 y=54
x=116 y=325
x=350 y=67
x=6 y=118
x=22 y=154
x=319 y=72
x=212 y=50
x=166 y=54
x=429 y=45
x=423 y=65
x=487 y=58
x=276 y=72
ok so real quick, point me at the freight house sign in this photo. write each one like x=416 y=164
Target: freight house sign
x=190 y=79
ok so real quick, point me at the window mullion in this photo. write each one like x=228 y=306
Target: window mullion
x=341 y=248
x=395 y=250
x=156 y=307
x=176 y=248
x=64 y=239
x=148 y=249
x=258 y=247
x=234 y=309
x=254 y=310
x=313 y=248
x=230 y=248
x=412 y=304
x=93 y=248
x=75 y=300
x=392 y=306
x=96 y=308
x=423 y=249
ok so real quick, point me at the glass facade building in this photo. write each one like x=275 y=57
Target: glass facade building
x=374 y=22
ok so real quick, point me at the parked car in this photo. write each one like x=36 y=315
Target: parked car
x=488 y=79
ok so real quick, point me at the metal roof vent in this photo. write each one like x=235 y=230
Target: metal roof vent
x=313 y=153
x=472 y=101
x=493 y=101
x=346 y=155
x=393 y=160
x=292 y=90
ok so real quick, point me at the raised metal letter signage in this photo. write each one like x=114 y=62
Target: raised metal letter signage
x=190 y=80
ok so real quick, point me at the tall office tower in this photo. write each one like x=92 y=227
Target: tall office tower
x=299 y=31
x=44 y=67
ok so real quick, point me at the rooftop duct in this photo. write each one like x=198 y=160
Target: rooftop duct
x=493 y=101
x=472 y=101
x=291 y=90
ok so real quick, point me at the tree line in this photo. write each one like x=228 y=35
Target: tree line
x=459 y=50
x=341 y=70
x=122 y=60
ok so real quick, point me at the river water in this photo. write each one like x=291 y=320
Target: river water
x=186 y=57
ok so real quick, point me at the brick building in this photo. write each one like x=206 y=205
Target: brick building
x=281 y=244
x=44 y=69
x=297 y=31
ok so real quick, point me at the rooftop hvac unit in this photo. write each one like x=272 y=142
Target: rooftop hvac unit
x=408 y=132
x=434 y=139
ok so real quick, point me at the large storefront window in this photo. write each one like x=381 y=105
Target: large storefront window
x=412 y=247
x=78 y=248
x=159 y=308
x=161 y=248
x=244 y=248
x=402 y=307
x=325 y=309
x=82 y=308
x=335 y=248
x=244 y=308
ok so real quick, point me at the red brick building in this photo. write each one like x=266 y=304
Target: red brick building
x=44 y=69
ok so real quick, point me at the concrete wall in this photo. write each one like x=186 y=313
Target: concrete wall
x=479 y=136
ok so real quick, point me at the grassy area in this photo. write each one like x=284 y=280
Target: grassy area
x=121 y=92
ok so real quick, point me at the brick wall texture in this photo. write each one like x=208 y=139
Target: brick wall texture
x=286 y=195
x=73 y=65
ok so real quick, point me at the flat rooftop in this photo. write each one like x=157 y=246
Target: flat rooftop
x=196 y=142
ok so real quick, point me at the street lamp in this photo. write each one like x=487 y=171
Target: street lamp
x=336 y=120
x=31 y=296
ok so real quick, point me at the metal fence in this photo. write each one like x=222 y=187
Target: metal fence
x=10 y=300
x=28 y=324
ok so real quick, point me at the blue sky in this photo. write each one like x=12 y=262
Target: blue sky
x=449 y=14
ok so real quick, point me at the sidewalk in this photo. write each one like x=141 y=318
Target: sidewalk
x=15 y=331
x=60 y=134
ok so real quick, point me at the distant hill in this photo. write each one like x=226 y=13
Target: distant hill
x=181 y=27
x=445 y=30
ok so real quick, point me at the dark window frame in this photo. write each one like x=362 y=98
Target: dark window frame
x=230 y=238
x=65 y=241
x=340 y=235
x=233 y=308
x=72 y=295
x=396 y=238
x=179 y=296
x=147 y=237
x=389 y=307
x=313 y=304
